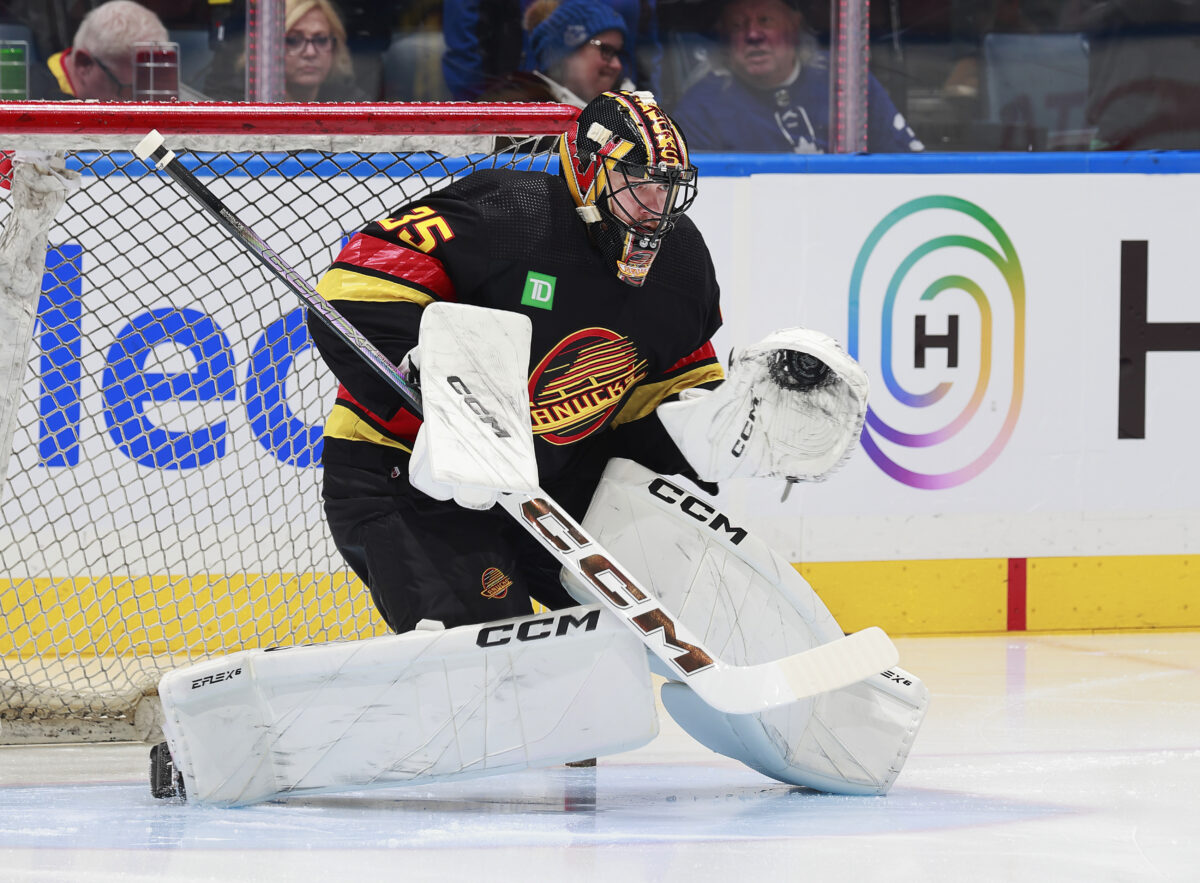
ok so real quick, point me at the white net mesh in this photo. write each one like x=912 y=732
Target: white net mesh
x=163 y=494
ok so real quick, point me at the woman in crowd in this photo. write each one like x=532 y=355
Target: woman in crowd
x=317 y=65
x=316 y=61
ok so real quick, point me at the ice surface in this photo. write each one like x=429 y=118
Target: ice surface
x=1044 y=757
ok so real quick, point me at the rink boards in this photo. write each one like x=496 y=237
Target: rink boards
x=1019 y=468
x=1017 y=471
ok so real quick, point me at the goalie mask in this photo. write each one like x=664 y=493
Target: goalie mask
x=627 y=166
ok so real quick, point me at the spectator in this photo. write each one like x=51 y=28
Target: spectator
x=99 y=62
x=773 y=93
x=485 y=42
x=316 y=62
x=576 y=47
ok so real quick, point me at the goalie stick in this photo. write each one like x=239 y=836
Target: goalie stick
x=729 y=688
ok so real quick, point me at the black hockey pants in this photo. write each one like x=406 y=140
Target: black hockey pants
x=428 y=559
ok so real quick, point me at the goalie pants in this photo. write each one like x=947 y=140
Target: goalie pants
x=427 y=559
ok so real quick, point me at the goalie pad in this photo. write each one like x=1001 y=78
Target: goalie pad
x=476 y=438
x=472 y=701
x=751 y=606
x=773 y=417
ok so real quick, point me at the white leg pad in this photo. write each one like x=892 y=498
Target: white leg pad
x=751 y=606
x=849 y=741
x=472 y=701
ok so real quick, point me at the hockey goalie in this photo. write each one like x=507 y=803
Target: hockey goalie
x=571 y=411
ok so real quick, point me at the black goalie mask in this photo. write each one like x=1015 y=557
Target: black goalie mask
x=626 y=163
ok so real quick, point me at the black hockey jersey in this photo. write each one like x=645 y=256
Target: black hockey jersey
x=604 y=354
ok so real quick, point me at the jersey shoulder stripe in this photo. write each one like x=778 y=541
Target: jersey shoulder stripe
x=379 y=257
x=342 y=284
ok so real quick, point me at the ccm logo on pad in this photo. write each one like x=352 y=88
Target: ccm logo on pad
x=696 y=508
x=536 y=629
x=216 y=679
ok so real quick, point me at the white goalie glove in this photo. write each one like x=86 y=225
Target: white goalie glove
x=792 y=407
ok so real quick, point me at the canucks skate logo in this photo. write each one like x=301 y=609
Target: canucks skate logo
x=581 y=382
x=586 y=182
x=937 y=312
x=495 y=583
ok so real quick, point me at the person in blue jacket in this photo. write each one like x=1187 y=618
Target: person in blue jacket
x=576 y=47
x=485 y=42
x=773 y=95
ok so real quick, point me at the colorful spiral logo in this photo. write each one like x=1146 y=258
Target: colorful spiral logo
x=953 y=429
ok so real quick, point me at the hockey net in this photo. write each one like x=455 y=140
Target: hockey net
x=162 y=496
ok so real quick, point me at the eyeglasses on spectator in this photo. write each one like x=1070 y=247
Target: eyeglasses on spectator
x=121 y=87
x=295 y=43
x=607 y=50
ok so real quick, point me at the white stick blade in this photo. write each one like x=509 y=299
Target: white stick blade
x=839 y=663
x=756 y=688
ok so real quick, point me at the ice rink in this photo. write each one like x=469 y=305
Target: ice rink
x=1069 y=757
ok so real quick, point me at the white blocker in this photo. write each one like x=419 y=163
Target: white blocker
x=476 y=439
x=472 y=701
x=751 y=606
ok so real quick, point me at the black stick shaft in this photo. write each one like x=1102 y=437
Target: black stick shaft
x=351 y=336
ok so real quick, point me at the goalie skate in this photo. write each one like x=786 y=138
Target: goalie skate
x=165 y=781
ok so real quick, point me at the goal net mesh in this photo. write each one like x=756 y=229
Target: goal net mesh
x=162 y=501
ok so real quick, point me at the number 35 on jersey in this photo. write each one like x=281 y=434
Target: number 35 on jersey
x=422 y=228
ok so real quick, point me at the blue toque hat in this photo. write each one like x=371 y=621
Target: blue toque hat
x=569 y=27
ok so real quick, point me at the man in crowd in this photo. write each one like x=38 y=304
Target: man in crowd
x=774 y=93
x=99 y=62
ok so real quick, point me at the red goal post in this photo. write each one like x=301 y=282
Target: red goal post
x=162 y=406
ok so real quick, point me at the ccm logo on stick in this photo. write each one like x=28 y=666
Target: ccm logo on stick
x=696 y=508
x=475 y=405
x=215 y=679
x=613 y=586
x=536 y=629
